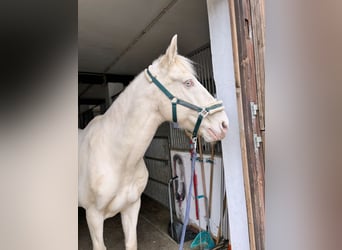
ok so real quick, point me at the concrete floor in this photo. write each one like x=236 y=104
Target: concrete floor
x=152 y=229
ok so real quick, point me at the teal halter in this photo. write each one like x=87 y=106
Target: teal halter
x=202 y=112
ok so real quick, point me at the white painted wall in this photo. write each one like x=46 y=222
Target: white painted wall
x=216 y=198
x=222 y=57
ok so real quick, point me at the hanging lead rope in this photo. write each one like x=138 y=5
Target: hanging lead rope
x=188 y=199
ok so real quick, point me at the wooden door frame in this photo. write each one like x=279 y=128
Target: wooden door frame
x=248 y=21
x=237 y=43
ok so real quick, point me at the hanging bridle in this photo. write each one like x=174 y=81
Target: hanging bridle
x=202 y=111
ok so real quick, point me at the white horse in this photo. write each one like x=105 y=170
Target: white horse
x=112 y=172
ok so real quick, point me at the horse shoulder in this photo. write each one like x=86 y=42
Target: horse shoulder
x=96 y=164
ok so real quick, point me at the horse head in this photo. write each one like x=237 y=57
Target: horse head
x=188 y=100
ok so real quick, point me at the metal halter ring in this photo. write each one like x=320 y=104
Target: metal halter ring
x=203 y=113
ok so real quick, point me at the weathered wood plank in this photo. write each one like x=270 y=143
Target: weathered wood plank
x=258 y=30
x=241 y=124
x=250 y=92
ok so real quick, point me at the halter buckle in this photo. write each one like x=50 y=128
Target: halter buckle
x=203 y=113
x=194 y=143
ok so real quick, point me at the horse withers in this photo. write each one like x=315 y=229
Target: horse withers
x=112 y=172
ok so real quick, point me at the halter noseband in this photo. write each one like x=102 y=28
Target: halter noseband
x=202 y=112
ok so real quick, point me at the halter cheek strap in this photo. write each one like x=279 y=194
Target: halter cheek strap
x=202 y=111
x=173 y=99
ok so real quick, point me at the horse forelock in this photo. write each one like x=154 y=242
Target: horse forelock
x=185 y=64
x=182 y=63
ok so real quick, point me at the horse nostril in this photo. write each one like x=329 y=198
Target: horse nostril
x=224 y=125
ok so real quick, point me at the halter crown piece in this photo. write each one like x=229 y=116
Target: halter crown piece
x=202 y=111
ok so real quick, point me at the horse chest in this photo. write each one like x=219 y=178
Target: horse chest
x=128 y=192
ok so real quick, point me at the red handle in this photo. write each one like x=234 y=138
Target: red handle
x=195 y=191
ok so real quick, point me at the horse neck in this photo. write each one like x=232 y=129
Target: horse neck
x=134 y=118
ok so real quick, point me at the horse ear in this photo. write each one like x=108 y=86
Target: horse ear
x=171 y=51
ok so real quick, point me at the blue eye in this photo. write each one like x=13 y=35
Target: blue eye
x=189 y=83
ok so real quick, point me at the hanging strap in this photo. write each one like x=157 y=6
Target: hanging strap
x=188 y=199
x=204 y=187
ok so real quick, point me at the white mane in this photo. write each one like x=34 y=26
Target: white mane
x=180 y=62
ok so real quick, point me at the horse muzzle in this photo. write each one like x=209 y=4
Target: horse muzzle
x=216 y=127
